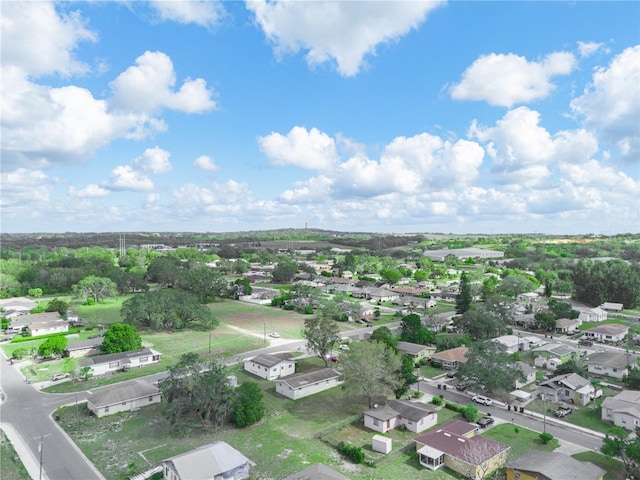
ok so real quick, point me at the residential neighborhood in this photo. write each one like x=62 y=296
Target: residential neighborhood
x=363 y=366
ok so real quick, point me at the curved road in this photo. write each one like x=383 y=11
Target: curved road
x=27 y=412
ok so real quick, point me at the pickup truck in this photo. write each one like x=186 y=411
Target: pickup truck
x=562 y=411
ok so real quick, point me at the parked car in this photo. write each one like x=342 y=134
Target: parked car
x=462 y=386
x=585 y=342
x=482 y=399
x=484 y=422
x=562 y=411
x=451 y=373
x=344 y=347
x=274 y=335
x=59 y=376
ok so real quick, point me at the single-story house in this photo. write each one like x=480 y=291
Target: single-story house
x=456 y=445
x=123 y=397
x=415 y=302
x=611 y=364
x=539 y=465
x=16 y=306
x=47 y=328
x=319 y=471
x=512 y=343
x=529 y=374
x=566 y=325
x=382 y=295
x=84 y=348
x=557 y=350
x=304 y=384
x=550 y=363
x=610 y=332
x=450 y=359
x=271 y=367
x=623 y=409
x=115 y=362
x=570 y=388
x=39 y=319
x=593 y=315
x=613 y=307
x=415 y=350
x=215 y=461
x=445 y=296
x=414 y=416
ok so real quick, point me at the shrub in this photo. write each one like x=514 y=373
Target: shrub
x=353 y=453
x=470 y=413
x=452 y=406
x=19 y=353
x=436 y=400
x=546 y=437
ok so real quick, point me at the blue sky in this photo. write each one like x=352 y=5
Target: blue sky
x=458 y=117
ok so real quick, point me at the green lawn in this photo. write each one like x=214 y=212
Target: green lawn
x=614 y=468
x=587 y=416
x=104 y=313
x=521 y=441
x=11 y=468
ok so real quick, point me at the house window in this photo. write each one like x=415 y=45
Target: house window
x=114 y=364
x=144 y=359
x=124 y=403
x=156 y=358
x=151 y=399
x=376 y=422
x=106 y=409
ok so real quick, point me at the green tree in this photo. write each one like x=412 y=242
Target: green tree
x=384 y=335
x=248 y=407
x=321 y=335
x=619 y=444
x=391 y=275
x=408 y=376
x=35 y=292
x=53 y=346
x=514 y=285
x=284 y=271
x=204 y=282
x=72 y=367
x=489 y=366
x=194 y=386
x=488 y=288
x=121 y=337
x=463 y=302
x=96 y=288
x=171 y=308
x=85 y=373
x=469 y=413
x=164 y=270
x=371 y=369
x=546 y=321
x=412 y=330
x=632 y=380
x=59 y=306
x=562 y=309
x=573 y=365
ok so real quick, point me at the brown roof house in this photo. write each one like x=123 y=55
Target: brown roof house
x=123 y=397
x=414 y=416
x=538 y=465
x=456 y=445
x=451 y=358
x=304 y=384
x=215 y=461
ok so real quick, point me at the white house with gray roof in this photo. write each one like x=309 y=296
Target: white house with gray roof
x=123 y=361
x=593 y=315
x=123 y=397
x=569 y=388
x=304 y=384
x=271 y=367
x=610 y=332
x=215 y=461
x=611 y=364
x=414 y=416
x=623 y=409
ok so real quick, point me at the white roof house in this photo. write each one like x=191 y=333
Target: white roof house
x=122 y=397
x=623 y=409
x=270 y=367
x=214 y=461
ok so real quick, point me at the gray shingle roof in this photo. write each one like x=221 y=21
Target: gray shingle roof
x=556 y=466
x=314 y=376
x=208 y=461
x=112 y=357
x=123 y=392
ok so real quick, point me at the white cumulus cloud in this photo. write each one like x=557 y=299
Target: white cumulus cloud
x=92 y=190
x=204 y=162
x=505 y=80
x=154 y=160
x=610 y=105
x=124 y=177
x=343 y=33
x=586 y=49
x=312 y=150
x=148 y=86
x=205 y=13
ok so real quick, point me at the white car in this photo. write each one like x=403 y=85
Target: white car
x=483 y=400
x=274 y=335
x=59 y=376
x=343 y=347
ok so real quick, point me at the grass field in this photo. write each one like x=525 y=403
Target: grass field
x=521 y=441
x=11 y=467
x=283 y=443
x=614 y=468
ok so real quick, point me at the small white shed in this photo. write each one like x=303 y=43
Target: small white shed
x=520 y=395
x=381 y=444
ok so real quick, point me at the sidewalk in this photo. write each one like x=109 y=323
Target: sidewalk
x=31 y=463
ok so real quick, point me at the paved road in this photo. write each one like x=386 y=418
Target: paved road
x=558 y=429
x=28 y=412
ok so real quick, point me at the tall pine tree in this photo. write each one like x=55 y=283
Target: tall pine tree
x=463 y=302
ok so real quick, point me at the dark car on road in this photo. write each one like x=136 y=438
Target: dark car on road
x=484 y=422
